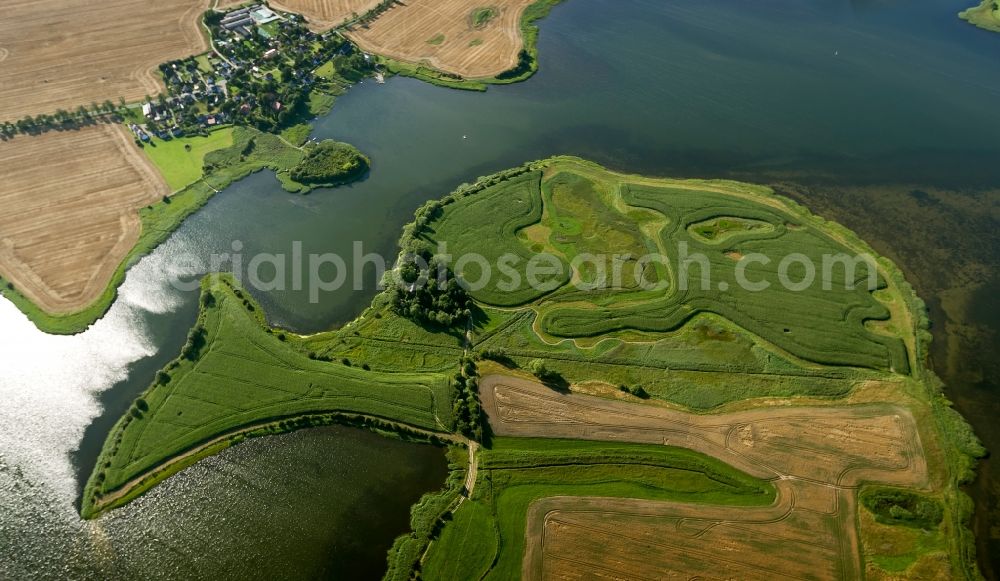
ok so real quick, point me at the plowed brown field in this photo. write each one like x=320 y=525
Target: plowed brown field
x=70 y=202
x=60 y=54
x=816 y=456
x=441 y=34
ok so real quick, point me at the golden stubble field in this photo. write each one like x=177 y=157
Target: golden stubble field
x=325 y=14
x=60 y=54
x=70 y=202
x=442 y=34
x=816 y=457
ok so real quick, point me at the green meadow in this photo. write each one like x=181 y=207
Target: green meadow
x=573 y=210
x=227 y=155
x=181 y=160
x=234 y=372
x=699 y=348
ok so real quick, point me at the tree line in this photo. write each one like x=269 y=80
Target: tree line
x=106 y=112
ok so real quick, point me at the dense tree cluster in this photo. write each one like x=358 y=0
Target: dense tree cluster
x=525 y=62
x=469 y=417
x=330 y=162
x=430 y=294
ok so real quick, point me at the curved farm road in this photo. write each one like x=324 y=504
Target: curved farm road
x=816 y=457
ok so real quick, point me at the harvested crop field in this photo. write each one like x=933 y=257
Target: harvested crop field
x=840 y=446
x=70 y=212
x=453 y=36
x=61 y=54
x=592 y=537
x=325 y=14
x=817 y=458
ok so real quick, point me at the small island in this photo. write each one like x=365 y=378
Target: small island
x=330 y=163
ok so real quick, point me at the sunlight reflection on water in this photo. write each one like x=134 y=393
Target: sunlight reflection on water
x=49 y=393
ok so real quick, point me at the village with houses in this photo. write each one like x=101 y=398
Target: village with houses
x=262 y=71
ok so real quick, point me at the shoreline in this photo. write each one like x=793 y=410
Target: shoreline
x=949 y=442
x=983 y=16
x=193 y=197
x=522 y=70
x=147 y=480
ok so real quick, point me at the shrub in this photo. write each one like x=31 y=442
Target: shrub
x=903 y=507
x=637 y=391
x=196 y=340
x=539 y=369
x=499 y=355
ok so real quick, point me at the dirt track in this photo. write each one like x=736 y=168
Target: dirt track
x=440 y=33
x=815 y=456
x=67 y=53
x=70 y=202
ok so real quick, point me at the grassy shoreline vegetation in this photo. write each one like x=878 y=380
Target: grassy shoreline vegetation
x=427 y=518
x=986 y=15
x=234 y=379
x=526 y=67
x=250 y=151
x=409 y=364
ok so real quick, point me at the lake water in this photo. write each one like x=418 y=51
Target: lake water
x=879 y=114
